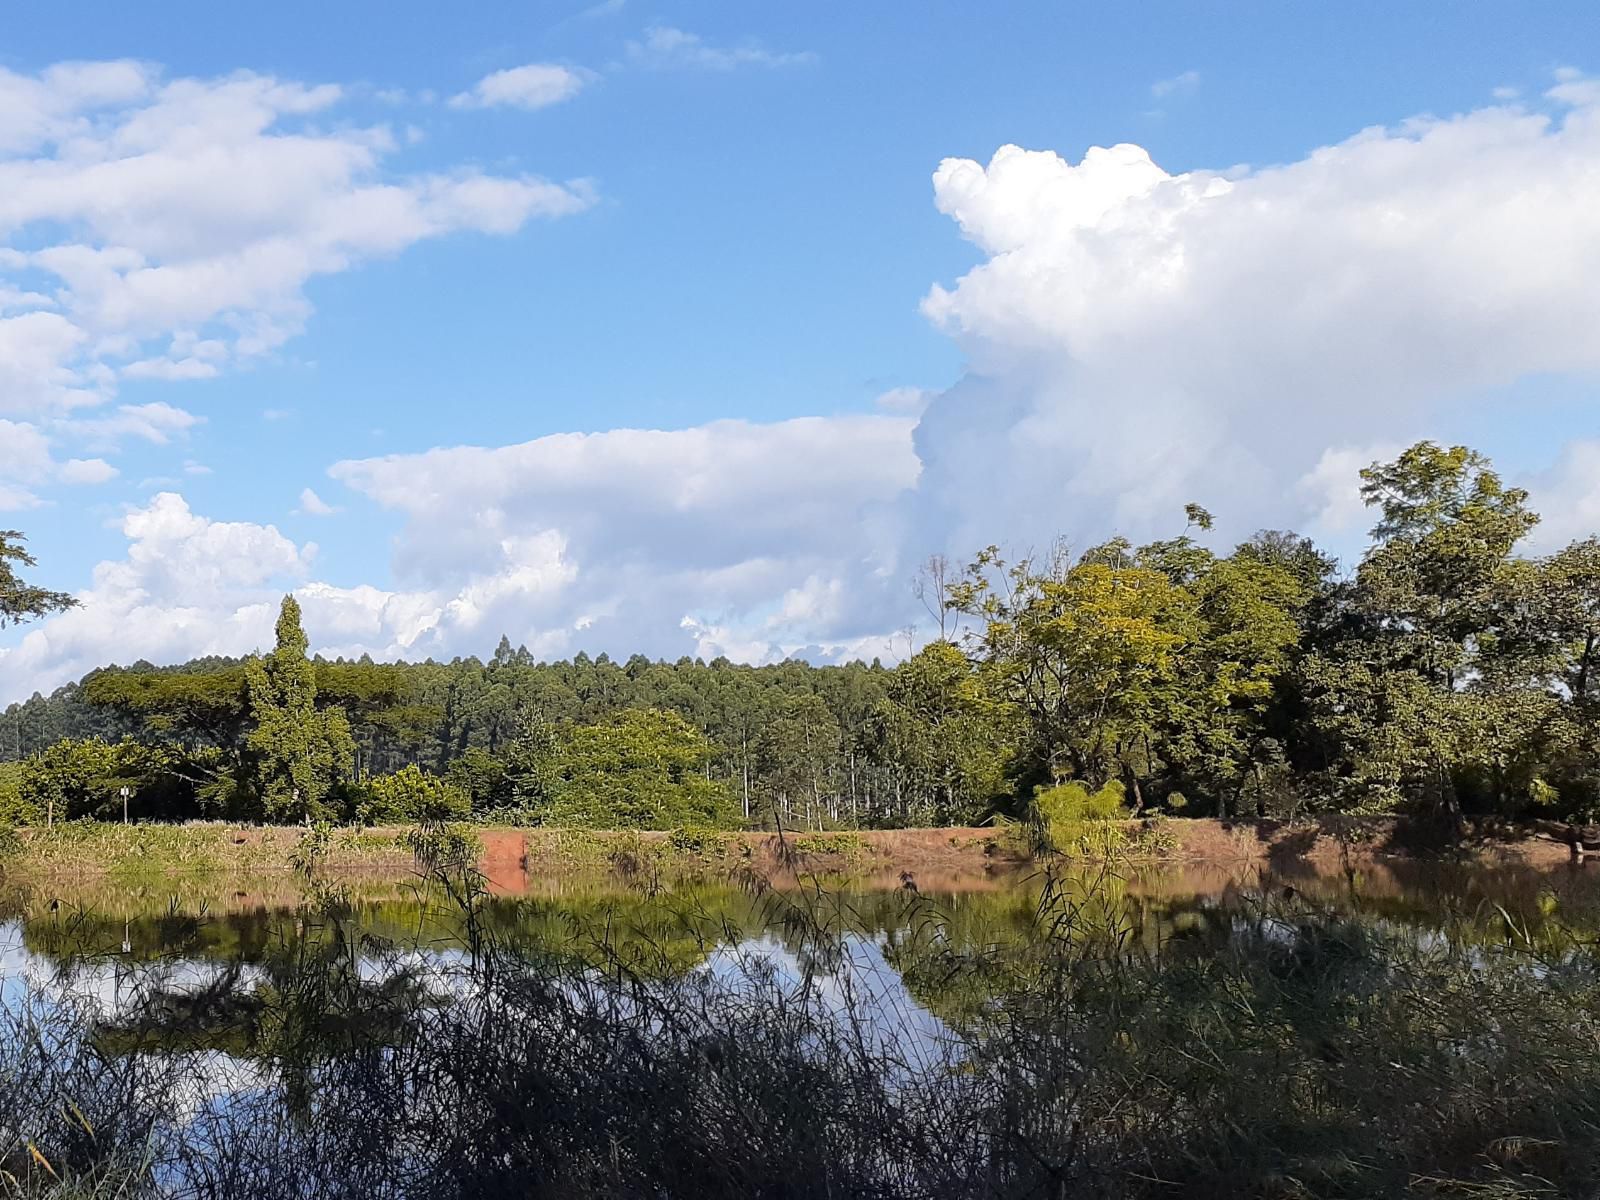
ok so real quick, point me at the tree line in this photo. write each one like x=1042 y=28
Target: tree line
x=1447 y=673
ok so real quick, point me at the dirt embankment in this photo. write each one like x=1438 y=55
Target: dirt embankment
x=511 y=856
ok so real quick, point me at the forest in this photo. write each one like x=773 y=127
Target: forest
x=1448 y=673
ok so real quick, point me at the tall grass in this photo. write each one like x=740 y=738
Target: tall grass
x=1295 y=1052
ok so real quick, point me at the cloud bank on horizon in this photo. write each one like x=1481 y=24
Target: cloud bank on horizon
x=1135 y=339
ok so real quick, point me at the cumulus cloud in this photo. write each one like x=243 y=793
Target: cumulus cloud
x=534 y=86
x=664 y=46
x=86 y=470
x=1567 y=497
x=754 y=540
x=187 y=586
x=713 y=524
x=165 y=229
x=1139 y=339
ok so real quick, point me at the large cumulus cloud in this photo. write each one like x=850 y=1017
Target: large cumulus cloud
x=1140 y=338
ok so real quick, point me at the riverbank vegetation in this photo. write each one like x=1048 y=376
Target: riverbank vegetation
x=1447 y=674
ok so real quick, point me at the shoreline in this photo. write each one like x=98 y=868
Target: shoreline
x=89 y=851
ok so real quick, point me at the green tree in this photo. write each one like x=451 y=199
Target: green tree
x=1215 y=704
x=300 y=754
x=71 y=779
x=640 y=769
x=1431 y=687
x=21 y=601
x=945 y=736
x=1085 y=651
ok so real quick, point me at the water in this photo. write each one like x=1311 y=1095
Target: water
x=256 y=1016
x=166 y=958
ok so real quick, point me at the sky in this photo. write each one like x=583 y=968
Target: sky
x=693 y=329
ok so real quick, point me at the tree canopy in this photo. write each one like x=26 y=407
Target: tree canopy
x=1448 y=672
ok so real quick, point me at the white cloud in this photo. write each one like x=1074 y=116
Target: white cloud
x=86 y=470
x=1567 y=497
x=534 y=86
x=1178 y=85
x=187 y=586
x=313 y=505
x=27 y=463
x=162 y=229
x=1333 y=487
x=664 y=46
x=157 y=422
x=1140 y=339
x=907 y=400
x=722 y=538
x=631 y=531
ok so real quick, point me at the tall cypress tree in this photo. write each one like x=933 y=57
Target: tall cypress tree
x=300 y=753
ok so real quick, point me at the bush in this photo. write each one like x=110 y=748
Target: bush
x=1068 y=818
x=411 y=794
x=14 y=810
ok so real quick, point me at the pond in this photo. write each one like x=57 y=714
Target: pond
x=120 y=949
x=259 y=1017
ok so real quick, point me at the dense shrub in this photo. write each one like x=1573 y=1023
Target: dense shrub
x=1068 y=818
x=409 y=795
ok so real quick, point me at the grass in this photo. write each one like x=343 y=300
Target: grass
x=139 y=851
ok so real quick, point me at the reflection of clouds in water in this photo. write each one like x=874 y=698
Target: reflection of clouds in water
x=858 y=986
x=207 y=1080
x=108 y=990
x=443 y=974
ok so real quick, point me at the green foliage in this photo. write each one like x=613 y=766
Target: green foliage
x=70 y=780
x=21 y=601
x=1069 y=818
x=300 y=754
x=484 y=779
x=642 y=769
x=949 y=734
x=443 y=847
x=410 y=795
x=844 y=847
x=311 y=850
x=14 y=810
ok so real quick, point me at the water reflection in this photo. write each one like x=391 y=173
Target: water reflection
x=223 y=965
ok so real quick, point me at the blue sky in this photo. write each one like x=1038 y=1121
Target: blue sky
x=750 y=234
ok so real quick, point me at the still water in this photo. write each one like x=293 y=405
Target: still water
x=202 y=962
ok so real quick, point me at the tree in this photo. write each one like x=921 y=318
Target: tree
x=21 y=601
x=798 y=751
x=70 y=779
x=1432 y=686
x=300 y=753
x=1085 y=651
x=640 y=769
x=411 y=794
x=945 y=736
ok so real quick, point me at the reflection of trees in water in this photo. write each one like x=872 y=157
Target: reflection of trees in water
x=1109 y=1028
x=290 y=981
